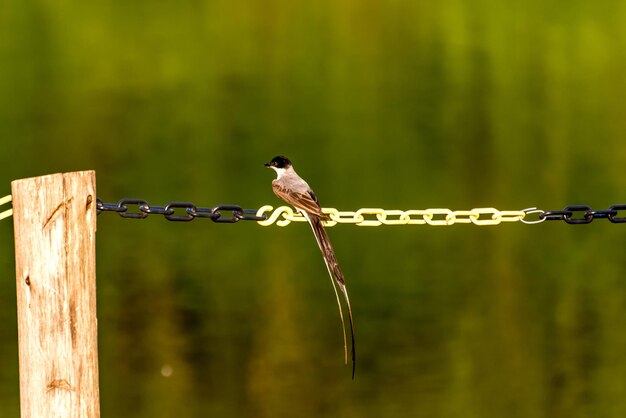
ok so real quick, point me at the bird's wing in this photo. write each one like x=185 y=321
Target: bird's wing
x=336 y=276
x=304 y=201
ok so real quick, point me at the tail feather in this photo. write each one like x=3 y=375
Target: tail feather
x=336 y=276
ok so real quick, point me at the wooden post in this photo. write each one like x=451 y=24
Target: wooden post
x=55 y=235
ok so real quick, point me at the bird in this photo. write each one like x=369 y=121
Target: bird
x=294 y=190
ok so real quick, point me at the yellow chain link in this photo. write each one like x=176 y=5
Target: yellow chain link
x=8 y=212
x=378 y=216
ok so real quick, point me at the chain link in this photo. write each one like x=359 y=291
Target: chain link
x=573 y=215
x=187 y=211
x=284 y=215
x=577 y=215
x=4 y=200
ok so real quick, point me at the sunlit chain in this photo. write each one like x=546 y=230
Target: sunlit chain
x=284 y=215
x=378 y=216
x=8 y=212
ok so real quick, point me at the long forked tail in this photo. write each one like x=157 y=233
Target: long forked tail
x=336 y=276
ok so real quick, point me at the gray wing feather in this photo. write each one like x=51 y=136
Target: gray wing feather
x=306 y=202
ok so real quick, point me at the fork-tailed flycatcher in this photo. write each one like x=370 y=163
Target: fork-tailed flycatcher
x=290 y=187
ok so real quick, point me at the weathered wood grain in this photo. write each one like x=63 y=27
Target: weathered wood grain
x=55 y=235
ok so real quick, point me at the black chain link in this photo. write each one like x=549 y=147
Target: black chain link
x=218 y=214
x=576 y=215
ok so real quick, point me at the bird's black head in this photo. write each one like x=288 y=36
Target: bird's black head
x=279 y=162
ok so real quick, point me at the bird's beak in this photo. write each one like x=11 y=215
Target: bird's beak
x=267 y=164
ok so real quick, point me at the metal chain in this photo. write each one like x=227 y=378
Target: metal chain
x=217 y=214
x=187 y=211
x=378 y=216
x=444 y=217
x=6 y=213
x=576 y=215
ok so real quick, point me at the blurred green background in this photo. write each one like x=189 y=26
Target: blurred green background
x=395 y=104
